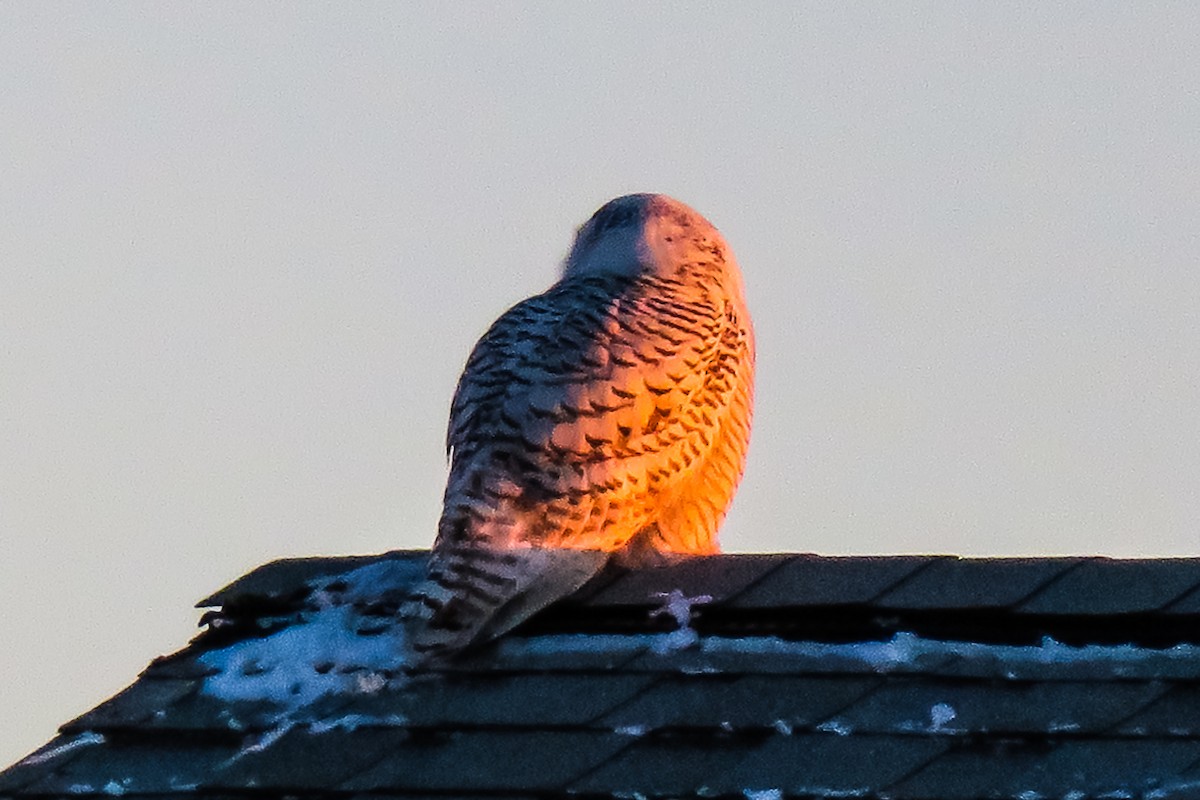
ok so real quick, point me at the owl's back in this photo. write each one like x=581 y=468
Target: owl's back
x=610 y=414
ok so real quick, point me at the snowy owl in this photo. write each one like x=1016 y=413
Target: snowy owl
x=608 y=416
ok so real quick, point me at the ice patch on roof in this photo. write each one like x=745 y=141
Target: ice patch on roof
x=941 y=714
x=763 y=794
x=907 y=650
x=678 y=606
x=827 y=792
x=82 y=740
x=295 y=666
x=904 y=652
x=1185 y=788
x=630 y=730
x=835 y=726
x=372 y=581
x=265 y=739
x=352 y=722
x=369 y=682
x=333 y=647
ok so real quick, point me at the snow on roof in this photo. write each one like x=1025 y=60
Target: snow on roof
x=324 y=651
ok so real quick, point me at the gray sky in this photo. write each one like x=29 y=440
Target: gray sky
x=245 y=249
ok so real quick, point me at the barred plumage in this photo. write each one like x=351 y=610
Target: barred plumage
x=610 y=414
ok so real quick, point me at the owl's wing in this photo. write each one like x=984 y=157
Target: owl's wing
x=593 y=386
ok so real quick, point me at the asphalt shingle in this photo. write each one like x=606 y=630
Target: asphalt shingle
x=139 y=766
x=41 y=763
x=587 y=653
x=507 y=700
x=694 y=578
x=142 y=701
x=1052 y=768
x=669 y=764
x=833 y=764
x=975 y=583
x=933 y=706
x=200 y=712
x=530 y=761
x=1109 y=586
x=290 y=577
x=303 y=759
x=820 y=581
x=740 y=701
x=1175 y=712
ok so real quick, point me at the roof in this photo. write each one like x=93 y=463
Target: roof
x=752 y=676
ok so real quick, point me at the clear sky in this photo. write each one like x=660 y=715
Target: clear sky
x=245 y=249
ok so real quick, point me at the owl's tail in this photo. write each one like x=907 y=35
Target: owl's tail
x=473 y=594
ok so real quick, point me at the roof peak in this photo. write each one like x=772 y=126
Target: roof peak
x=1011 y=600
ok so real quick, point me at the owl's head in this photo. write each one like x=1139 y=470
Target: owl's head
x=645 y=234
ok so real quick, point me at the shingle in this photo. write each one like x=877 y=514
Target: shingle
x=287 y=575
x=135 y=767
x=202 y=712
x=999 y=707
x=815 y=580
x=373 y=709
x=955 y=583
x=739 y=701
x=183 y=665
x=718 y=577
x=307 y=760
x=1185 y=787
x=490 y=699
x=562 y=653
x=1109 y=586
x=45 y=760
x=828 y=763
x=670 y=764
x=977 y=769
x=1175 y=713
x=135 y=704
x=537 y=761
x=1046 y=768
x=1189 y=602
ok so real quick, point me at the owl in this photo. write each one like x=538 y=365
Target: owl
x=607 y=417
